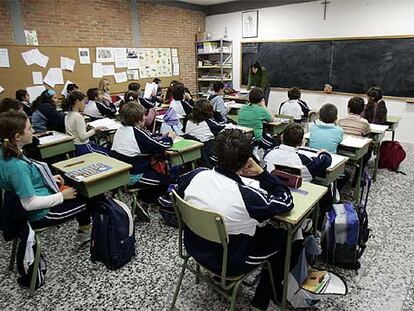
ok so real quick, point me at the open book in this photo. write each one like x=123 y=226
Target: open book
x=110 y=124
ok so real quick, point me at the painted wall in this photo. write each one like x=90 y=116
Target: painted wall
x=345 y=18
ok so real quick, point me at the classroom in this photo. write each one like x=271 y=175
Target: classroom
x=206 y=155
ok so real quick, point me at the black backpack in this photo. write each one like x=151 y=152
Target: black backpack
x=113 y=234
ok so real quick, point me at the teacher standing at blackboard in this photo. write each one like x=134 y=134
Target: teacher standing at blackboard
x=258 y=78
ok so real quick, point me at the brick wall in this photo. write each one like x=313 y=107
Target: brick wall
x=108 y=23
x=6 y=30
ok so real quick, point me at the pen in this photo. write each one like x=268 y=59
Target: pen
x=74 y=163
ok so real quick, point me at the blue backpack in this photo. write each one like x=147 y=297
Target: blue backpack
x=113 y=236
x=347 y=232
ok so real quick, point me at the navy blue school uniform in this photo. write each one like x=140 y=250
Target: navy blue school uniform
x=97 y=110
x=47 y=118
x=245 y=210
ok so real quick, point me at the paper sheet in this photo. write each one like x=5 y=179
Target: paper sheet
x=133 y=63
x=133 y=74
x=84 y=57
x=377 y=128
x=310 y=153
x=4 y=58
x=354 y=141
x=35 y=91
x=1 y=89
x=28 y=57
x=54 y=76
x=120 y=57
x=97 y=70
x=108 y=123
x=150 y=89
x=104 y=55
x=121 y=77
x=108 y=70
x=31 y=37
x=67 y=63
x=37 y=77
x=174 y=52
x=52 y=138
x=65 y=87
x=41 y=59
x=176 y=70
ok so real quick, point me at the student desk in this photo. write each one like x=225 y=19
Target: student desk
x=184 y=151
x=237 y=98
x=233 y=108
x=392 y=122
x=116 y=176
x=336 y=168
x=377 y=134
x=306 y=201
x=55 y=144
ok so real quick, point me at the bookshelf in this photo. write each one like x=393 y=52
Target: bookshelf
x=214 y=63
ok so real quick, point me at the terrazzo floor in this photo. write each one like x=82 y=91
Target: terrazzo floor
x=385 y=281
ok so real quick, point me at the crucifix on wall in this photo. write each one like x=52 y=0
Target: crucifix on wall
x=325 y=3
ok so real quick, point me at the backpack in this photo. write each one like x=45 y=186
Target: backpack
x=391 y=154
x=346 y=231
x=113 y=236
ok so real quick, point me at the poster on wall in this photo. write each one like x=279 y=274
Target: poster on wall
x=31 y=37
x=250 y=24
x=84 y=57
x=105 y=55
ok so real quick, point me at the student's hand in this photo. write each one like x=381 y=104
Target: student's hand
x=100 y=128
x=172 y=135
x=69 y=193
x=263 y=102
x=59 y=180
x=187 y=96
x=251 y=168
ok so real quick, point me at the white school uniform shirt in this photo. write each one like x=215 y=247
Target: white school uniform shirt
x=292 y=108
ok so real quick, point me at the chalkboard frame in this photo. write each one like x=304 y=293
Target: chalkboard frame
x=407 y=99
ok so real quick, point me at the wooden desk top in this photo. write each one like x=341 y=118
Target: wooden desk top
x=337 y=160
x=350 y=141
x=184 y=145
x=303 y=202
x=89 y=159
x=56 y=138
x=378 y=129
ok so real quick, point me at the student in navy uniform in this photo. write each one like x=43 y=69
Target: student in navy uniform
x=245 y=209
x=24 y=97
x=150 y=113
x=294 y=107
x=287 y=155
x=41 y=194
x=168 y=95
x=216 y=99
x=182 y=102
x=96 y=107
x=135 y=145
x=134 y=86
x=76 y=126
x=45 y=116
x=203 y=127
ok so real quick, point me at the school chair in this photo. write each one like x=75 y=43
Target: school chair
x=209 y=226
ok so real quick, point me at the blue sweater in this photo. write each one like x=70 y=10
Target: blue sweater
x=325 y=136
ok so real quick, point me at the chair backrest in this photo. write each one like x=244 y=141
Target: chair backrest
x=206 y=224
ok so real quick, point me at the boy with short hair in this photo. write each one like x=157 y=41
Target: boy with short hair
x=287 y=155
x=253 y=115
x=216 y=99
x=325 y=134
x=354 y=124
x=245 y=209
x=294 y=107
x=97 y=108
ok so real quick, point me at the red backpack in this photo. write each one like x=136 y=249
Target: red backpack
x=391 y=155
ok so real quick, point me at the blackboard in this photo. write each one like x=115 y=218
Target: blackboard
x=349 y=65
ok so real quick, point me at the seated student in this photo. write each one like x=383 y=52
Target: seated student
x=134 y=145
x=45 y=116
x=41 y=194
x=103 y=87
x=158 y=94
x=245 y=210
x=97 y=108
x=216 y=99
x=134 y=86
x=7 y=104
x=253 y=115
x=203 y=127
x=354 y=124
x=294 y=107
x=76 y=126
x=181 y=102
x=287 y=155
x=70 y=88
x=150 y=113
x=325 y=134
x=375 y=110
x=24 y=97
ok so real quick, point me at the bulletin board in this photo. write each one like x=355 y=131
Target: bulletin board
x=19 y=75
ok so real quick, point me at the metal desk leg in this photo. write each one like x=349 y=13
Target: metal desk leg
x=357 y=192
x=315 y=219
x=376 y=152
x=393 y=135
x=287 y=267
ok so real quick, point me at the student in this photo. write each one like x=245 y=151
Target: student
x=76 y=126
x=134 y=86
x=287 y=155
x=104 y=88
x=45 y=115
x=7 y=104
x=375 y=111
x=70 y=88
x=216 y=99
x=97 y=108
x=168 y=95
x=150 y=113
x=38 y=190
x=182 y=105
x=294 y=107
x=203 y=127
x=134 y=145
x=354 y=124
x=129 y=96
x=246 y=211
x=253 y=115
x=325 y=134
x=24 y=97
x=158 y=95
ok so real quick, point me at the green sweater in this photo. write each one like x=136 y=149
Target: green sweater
x=258 y=79
x=253 y=115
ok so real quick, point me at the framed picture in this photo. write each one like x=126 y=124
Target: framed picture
x=250 y=24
